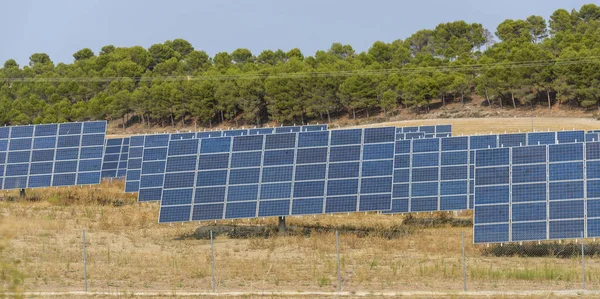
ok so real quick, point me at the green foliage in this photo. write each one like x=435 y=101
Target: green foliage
x=85 y=53
x=172 y=82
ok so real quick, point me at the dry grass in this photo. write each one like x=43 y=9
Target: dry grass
x=460 y=126
x=128 y=250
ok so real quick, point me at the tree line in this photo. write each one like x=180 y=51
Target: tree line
x=524 y=62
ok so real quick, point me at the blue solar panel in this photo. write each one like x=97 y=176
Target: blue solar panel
x=429 y=131
x=415 y=169
x=592 y=136
x=410 y=129
x=116 y=152
x=431 y=175
x=538 y=193
x=52 y=154
x=512 y=140
x=414 y=135
x=537 y=138
x=570 y=136
x=154 y=154
x=311 y=128
x=281 y=174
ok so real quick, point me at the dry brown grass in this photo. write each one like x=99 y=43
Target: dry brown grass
x=129 y=250
x=466 y=126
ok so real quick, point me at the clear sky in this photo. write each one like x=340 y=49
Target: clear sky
x=61 y=27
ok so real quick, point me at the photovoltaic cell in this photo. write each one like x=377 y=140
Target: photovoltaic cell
x=543 y=196
x=154 y=148
x=116 y=152
x=431 y=175
x=299 y=173
x=51 y=154
x=592 y=137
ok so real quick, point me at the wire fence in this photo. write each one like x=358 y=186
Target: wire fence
x=222 y=259
x=344 y=265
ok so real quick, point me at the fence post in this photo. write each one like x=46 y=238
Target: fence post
x=212 y=261
x=464 y=263
x=582 y=263
x=84 y=261
x=337 y=249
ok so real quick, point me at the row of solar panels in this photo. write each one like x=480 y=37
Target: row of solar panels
x=537 y=193
x=66 y=154
x=148 y=155
x=117 y=149
x=421 y=175
x=438 y=174
x=277 y=175
x=51 y=155
x=523 y=187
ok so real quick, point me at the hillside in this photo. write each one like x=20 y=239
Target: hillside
x=539 y=61
x=129 y=252
x=471 y=118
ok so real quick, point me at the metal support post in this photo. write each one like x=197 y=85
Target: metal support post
x=84 y=262
x=339 y=270
x=464 y=263
x=282 y=226
x=212 y=261
x=582 y=263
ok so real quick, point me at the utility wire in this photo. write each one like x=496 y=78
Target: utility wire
x=376 y=72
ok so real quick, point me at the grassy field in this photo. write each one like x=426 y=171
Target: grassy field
x=127 y=250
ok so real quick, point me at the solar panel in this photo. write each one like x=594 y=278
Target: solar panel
x=412 y=135
x=134 y=163
x=536 y=193
x=430 y=178
x=154 y=158
x=52 y=154
x=431 y=175
x=592 y=137
x=311 y=128
x=133 y=180
x=423 y=132
x=149 y=182
x=298 y=173
x=537 y=138
x=114 y=163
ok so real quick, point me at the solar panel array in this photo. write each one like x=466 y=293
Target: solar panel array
x=523 y=186
x=146 y=173
x=151 y=172
x=116 y=151
x=278 y=175
x=416 y=132
x=48 y=155
x=537 y=193
x=437 y=174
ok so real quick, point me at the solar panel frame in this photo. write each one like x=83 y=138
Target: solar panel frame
x=155 y=195
x=557 y=210
x=404 y=203
x=302 y=191
x=408 y=179
x=592 y=136
x=112 y=157
x=29 y=172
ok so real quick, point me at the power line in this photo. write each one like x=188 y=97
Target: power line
x=376 y=72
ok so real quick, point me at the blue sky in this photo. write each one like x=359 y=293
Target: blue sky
x=61 y=27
